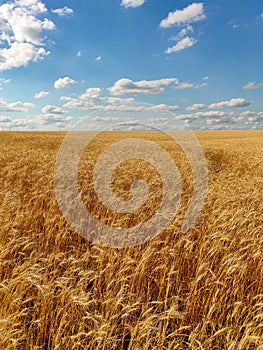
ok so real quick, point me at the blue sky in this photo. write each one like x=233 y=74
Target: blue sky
x=167 y=62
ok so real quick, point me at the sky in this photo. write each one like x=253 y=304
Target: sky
x=166 y=63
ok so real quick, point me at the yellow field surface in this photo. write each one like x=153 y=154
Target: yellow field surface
x=198 y=290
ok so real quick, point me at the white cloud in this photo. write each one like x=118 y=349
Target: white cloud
x=65 y=98
x=195 y=107
x=99 y=58
x=128 y=87
x=49 y=109
x=183 y=33
x=50 y=118
x=63 y=11
x=34 y=6
x=22 y=23
x=138 y=108
x=210 y=114
x=28 y=28
x=162 y=107
x=4 y=119
x=205 y=78
x=185 y=117
x=113 y=100
x=132 y=3
x=22 y=32
x=111 y=104
x=20 y=124
x=182 y=45
x=82 y=105
x=4 y=27
x=91 y=93
x=234 y=102
x=15 y=106
x=5 y=81
x=41 y=94
x=221 y=119
x=20 y=54
x=63 y=82
x=224 y=121
x=215 y=115
x=252 y=116
x=252 y=85
x=261 y=15
x=185 y=85
x=255 y=119
x=79 y=53
x=190 y=14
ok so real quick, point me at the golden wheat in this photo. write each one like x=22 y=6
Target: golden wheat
x=199 y=290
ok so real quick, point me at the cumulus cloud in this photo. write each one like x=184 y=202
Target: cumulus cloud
x=35 y=6
x=4 y=119
x=225 y=123
x=189 y=118
x=162 y=107
x=22 y=29
x=15 y=106
x=112 y=104
x=128 y=87
x=190 y=14
x=41 y=94
x=91 y=93
x=185 y=85
x=21 y=21
x=18 y=124
x=234 y=102
x=182 y=45
x=203 y=115
x=20 y=54
x=132 y=3
x=220 y=119
x=94 y=94
x=195 y=107
x=46 y=119
x=252 y=116
x=63 y=11
x=113 y=100
x=138 y=108
x=183 y=32
x=99 y=58
x=210 y=114
x=251 y=85
x=52 y=110
x=61 y=83
x=75 y=103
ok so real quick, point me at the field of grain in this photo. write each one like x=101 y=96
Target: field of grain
x=199 y=290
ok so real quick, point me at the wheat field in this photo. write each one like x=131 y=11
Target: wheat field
x=198 y=290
